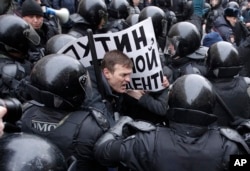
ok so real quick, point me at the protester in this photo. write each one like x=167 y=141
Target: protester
x=33 y=14
x=188 y=142
x=109 y=85
x=147 y=106
x=230 y=27
x=211 y=38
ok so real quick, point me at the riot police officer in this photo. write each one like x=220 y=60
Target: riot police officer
x=16 y=35
x=58 y=86
x=188 y=143
x=224 y=65
x=160 y=24
x=90 y=15
x=117 y=13
x=186 y=56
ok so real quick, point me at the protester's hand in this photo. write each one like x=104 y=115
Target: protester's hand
x=165 y=82
x=3 y=111
x=136 y=93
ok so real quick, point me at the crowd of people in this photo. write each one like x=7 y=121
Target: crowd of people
x=59 y=114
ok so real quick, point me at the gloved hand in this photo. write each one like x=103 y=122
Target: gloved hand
x=118 y=128
x=241 y=125
x=116 y=132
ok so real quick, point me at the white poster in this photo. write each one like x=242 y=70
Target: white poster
x=137 y=41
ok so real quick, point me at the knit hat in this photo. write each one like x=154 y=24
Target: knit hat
x=31 y=7
x=211 y=38
x=231 y=12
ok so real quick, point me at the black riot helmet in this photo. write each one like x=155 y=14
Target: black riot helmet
x=233 y=4
x=16 y=34
x=158 y=19
x=188 y=10
x=59 y=81
x=192 y=92
x=93 y=11
x=223 y=59
x=4 y=6
x=185 y=37
x=132 y=19
x=26 y=152
x=118 y=9
x=56 y=42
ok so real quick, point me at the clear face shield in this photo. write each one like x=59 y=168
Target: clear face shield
x=172 y=46
x=104 y=18
x=164 y=24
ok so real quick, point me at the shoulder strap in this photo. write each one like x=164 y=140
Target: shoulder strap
x=224 y=106
x=76 y=117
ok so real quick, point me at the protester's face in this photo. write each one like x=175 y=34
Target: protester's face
x=119 y=78
x=38 y=1
x=214 y=2
x=136 y=2
x=232 y=20
x=34 y=20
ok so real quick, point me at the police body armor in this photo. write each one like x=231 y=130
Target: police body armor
x=69 y=127
x=11 y=74
x=191 y=67
x=206 y=156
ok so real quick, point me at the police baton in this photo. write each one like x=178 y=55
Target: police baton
x=224 y=106
x=96 y=65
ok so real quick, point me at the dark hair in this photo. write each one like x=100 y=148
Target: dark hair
x=114 y=57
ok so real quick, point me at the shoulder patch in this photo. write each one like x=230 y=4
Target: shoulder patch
x=100 y=119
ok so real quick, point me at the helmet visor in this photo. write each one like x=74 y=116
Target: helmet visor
x=86 y=85
x=32 y=35
x=172 y=46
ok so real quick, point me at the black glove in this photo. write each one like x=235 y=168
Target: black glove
x=241 y=125
x=118 y=129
